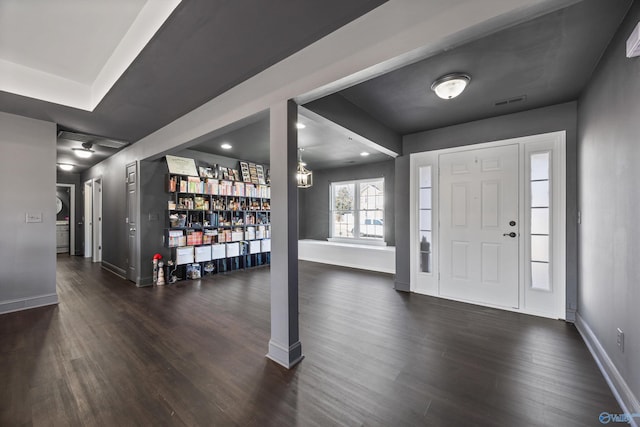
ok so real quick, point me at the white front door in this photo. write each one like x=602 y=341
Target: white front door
x=479 y=226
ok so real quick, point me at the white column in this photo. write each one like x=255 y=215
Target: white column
x=284 y=346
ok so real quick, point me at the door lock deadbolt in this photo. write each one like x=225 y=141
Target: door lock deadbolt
x=512 y=223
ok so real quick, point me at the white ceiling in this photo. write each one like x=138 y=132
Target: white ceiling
x=71 y=52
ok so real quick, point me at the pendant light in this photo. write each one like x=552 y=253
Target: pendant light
x=304 y=177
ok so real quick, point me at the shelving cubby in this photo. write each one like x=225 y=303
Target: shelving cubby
x=219 y=223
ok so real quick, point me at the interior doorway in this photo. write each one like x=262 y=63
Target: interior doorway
x=93 y=219
x=488 y=224
x=65 y=218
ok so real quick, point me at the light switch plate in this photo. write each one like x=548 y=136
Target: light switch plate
x=33 y=217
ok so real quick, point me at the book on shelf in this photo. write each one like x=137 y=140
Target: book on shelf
x=244 y=170
x=260 y=174
x=253 y=173
x=213 y=219
x=250 y=190
x=194 y=184
x=172 y=184
x=238 y=189
x=226 y=188
x=211 y=187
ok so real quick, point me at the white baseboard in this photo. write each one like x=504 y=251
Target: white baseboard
x=623 y=394
x=27 y=303
x=283 y=356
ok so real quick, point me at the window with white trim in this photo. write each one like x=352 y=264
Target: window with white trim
x=357 y=209
x=425 y=219
x=540 y=213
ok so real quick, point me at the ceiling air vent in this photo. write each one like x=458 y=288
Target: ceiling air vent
x=510 y=101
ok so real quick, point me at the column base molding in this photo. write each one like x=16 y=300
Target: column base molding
x=285 y=357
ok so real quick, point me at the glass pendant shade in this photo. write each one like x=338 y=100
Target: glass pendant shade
x=304 y=176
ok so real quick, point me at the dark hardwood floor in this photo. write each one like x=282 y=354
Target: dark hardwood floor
x=193 y=354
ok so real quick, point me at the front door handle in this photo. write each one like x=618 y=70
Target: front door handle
x=512 y=234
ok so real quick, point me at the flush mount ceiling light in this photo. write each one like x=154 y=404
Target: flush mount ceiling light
x=300 y=125
x=364 y=154
x=451 y=85
x=226 y=146
x=65 y=166
x=85 y=152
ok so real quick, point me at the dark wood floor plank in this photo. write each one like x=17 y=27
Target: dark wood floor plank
x=193 y=354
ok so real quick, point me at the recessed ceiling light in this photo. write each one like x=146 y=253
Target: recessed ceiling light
x=451 y=85
x=300 y=125
x=226 y=146
x=364 y=154
x=65 y=166
x=83 y=152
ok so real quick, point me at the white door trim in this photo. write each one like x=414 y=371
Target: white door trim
x=87 y=189
x=96 y=220
x=428 y=283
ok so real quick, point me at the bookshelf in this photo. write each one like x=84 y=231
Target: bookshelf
x=217 y=225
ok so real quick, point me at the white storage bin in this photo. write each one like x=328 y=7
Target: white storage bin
x=255 y=247
x=233 y=249
x=184 y=255
x=236 y=236
x=203 y=253
x=250 y=233
x=218 y=251
x=265 y=245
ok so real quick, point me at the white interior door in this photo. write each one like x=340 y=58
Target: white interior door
x=479 y=226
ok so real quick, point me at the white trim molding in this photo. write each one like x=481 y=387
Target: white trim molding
x=538 y=303
x=623 y=394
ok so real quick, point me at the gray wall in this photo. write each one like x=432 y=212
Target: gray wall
x=114 y=228
x=74 y=178
x=153 y=215
x=28 y=250
x=403 y=217
x=532 y=122
x=313 y=206
x=609 y=154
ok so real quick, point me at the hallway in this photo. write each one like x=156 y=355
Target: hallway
x=194 y=354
